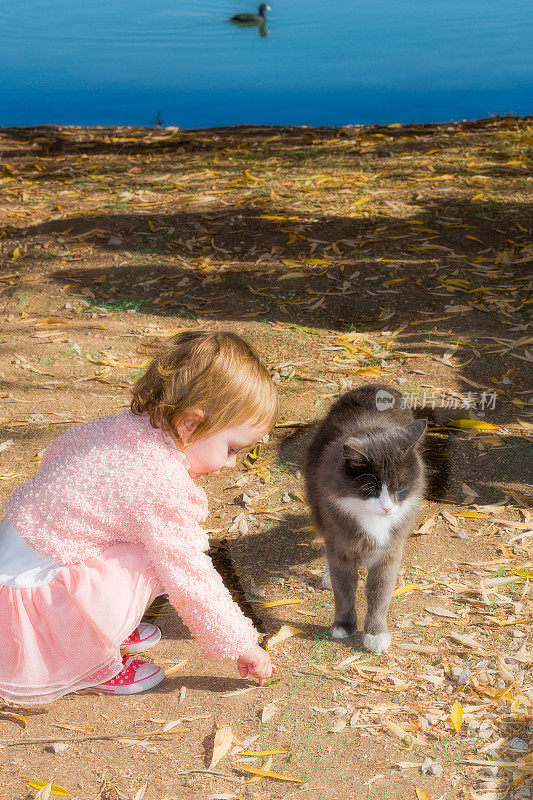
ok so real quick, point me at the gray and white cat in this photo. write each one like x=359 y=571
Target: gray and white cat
x=365 y=480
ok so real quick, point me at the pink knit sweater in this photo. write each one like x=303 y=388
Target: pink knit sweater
x=117 y=479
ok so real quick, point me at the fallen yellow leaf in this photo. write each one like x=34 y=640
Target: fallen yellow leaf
x=456 y=716
x=263 y=773
x=475 y=424
x=425 y=528
x=338 y=726
x=524 y=573
x=9 y=716
x=409 y=587
x=289 y=601
x=291 y=275
x=285 y=632
x=470 y=514
x=253 y=177
x=54 y=788
x=266 y=765
x=395 y=729
x=175 y=667
x=223 y=742
x=51 y=321
x=464 y=639
x=268 y=712
x=66 y=726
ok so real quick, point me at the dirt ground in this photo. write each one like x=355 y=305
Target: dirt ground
x=400 y=254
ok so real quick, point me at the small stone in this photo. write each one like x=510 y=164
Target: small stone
x=56 y=747
x=460 y=534
x=114 y=241
x=491 y=783
x=490 y=771
x=287 y=371
x=485 y=730
x=429 y=767
x=461 y=675
x=518 y=744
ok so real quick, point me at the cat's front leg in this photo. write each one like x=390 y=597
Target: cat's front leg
x=380 y=585
x=343 y=575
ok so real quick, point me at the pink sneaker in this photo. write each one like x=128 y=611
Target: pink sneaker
x=144 y=636
x=136 y=676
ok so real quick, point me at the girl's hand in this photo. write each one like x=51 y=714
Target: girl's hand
x=255 y=662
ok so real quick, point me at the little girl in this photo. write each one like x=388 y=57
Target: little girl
x=112 y=520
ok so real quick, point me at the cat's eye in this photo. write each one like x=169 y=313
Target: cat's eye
x=401 y=494
x=367 y=485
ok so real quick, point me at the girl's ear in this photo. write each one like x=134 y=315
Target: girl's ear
x=188 y=424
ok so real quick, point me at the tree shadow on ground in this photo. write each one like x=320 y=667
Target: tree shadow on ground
x=234 y=263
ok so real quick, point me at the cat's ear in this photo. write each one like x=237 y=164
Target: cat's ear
x=412 y=433
x=354 y=450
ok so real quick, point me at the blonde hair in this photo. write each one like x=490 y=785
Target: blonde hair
x=214 y=371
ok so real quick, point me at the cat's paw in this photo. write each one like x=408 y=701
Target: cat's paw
x=378 y=643
x=342 y=632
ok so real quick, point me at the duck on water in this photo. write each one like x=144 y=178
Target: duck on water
x=258 y=18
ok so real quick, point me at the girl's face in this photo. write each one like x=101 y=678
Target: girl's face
x=209 y=454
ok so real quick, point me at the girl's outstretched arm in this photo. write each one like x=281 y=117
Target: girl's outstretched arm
x=176 y=544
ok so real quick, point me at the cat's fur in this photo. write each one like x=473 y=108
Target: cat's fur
x=358 y=448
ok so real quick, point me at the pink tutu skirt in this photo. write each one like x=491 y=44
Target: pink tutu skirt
x=64 y=634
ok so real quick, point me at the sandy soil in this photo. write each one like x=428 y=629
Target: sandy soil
x=400 y=254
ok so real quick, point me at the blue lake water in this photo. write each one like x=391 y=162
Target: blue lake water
x=118 y=62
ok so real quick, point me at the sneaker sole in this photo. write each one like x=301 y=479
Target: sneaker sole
x=137 y=686
x=140 y=647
